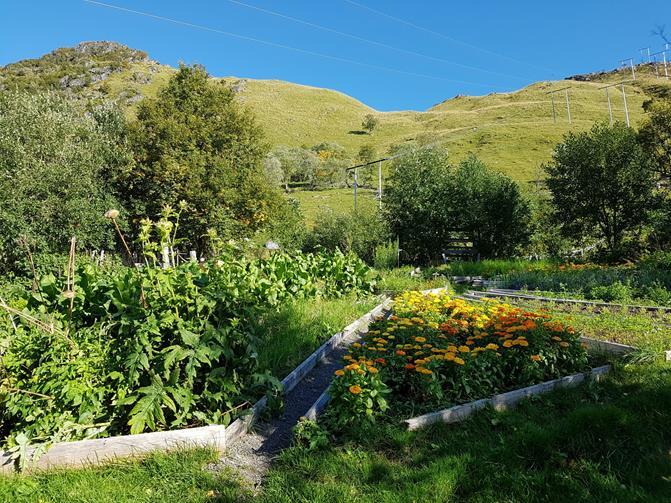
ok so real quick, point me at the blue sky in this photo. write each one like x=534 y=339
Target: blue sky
x=424 y=51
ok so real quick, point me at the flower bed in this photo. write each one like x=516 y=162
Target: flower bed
x=437 y=351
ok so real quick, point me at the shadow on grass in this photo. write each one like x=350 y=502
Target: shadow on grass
x=600 y=442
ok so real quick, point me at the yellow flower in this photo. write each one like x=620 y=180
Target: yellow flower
x=459 y=361
x=464 y=349
x=355 y=389
x=564 y=344
x=492 y=346
x=420 y=339
x=340 y=372
x=372 y=370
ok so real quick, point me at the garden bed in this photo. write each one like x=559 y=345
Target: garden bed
x=437 y=350
x=96 y=451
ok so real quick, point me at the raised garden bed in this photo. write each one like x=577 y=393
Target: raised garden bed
x=97 y=451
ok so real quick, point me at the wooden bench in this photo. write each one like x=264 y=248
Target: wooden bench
x=463 y=248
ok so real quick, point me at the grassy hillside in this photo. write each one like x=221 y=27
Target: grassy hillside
x=512 y=132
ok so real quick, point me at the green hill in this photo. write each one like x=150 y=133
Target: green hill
x=512 y=132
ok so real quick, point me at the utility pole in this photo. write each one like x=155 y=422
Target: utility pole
x=624 y=99
x=568 y=103
x=645 y=50
x=379 y=183
x=631 y=64
x=666 y=70
x=356 y=185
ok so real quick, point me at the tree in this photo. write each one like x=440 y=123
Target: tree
x=655 y=136
x=57 y=164
x=370 y=122
x=428 y=200
x=367 y=153
x=193 y=143
x=489 y=207
x=601 y=184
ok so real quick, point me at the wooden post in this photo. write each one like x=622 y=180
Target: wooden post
x=166 y=257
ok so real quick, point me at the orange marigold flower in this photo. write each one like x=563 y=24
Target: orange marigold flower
x=400 y=352
x=409 y=366
x=536 y=358
x=355 y=389
x=508 y=343
x=381 y=361
x=464 y=349
x=372 y=370
x=420 y=339
x=492 y=346
x=459 y=361
x=340 y=372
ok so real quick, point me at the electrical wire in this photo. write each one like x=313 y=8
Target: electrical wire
x=373 y=42
x=282 y=46
x=446 y=37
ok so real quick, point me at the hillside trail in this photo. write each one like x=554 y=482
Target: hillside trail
x=252 y=454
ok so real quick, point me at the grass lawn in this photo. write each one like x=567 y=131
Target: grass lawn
x=606 y=441
x=313 y=202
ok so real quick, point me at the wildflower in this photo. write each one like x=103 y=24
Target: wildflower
x=372 y=370
x=491 y=346
x=400 y=352
x=355 y=389
x=420 y=339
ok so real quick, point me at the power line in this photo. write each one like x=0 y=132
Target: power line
x=370 y=41
x=446 y=37
x=281 y=46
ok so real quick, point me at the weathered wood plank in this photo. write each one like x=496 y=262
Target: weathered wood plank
x=502 y=401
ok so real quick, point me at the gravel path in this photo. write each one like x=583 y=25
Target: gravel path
x=252 y=454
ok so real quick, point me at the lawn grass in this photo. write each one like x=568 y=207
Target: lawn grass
x=600 y=442
x=292 y=333
x=162 y=477
x=340 y=201
x=606 y=441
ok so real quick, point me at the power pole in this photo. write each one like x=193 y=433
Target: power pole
x=666 y=70
x=624 y=98
x=644 y=50
x=568 y=103
x=356 y=185
x=379 y=183
x=631 y=64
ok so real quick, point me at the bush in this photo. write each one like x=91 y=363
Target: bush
x=57 y=163
x=428 y=201
x=359 y=233
x=386 y=255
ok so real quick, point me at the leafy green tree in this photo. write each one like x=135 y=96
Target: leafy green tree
x=655 y=136
x=369 y=123
x=298 y=164
x=429 y=200
x=489 y=207
x=601 y=184
x=194 y=143
x=57 y=165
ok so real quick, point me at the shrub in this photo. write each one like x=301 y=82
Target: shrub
x=359 y=233
x=56 y=167
x=386 y=255
x=602 y=185
x=429 y=200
